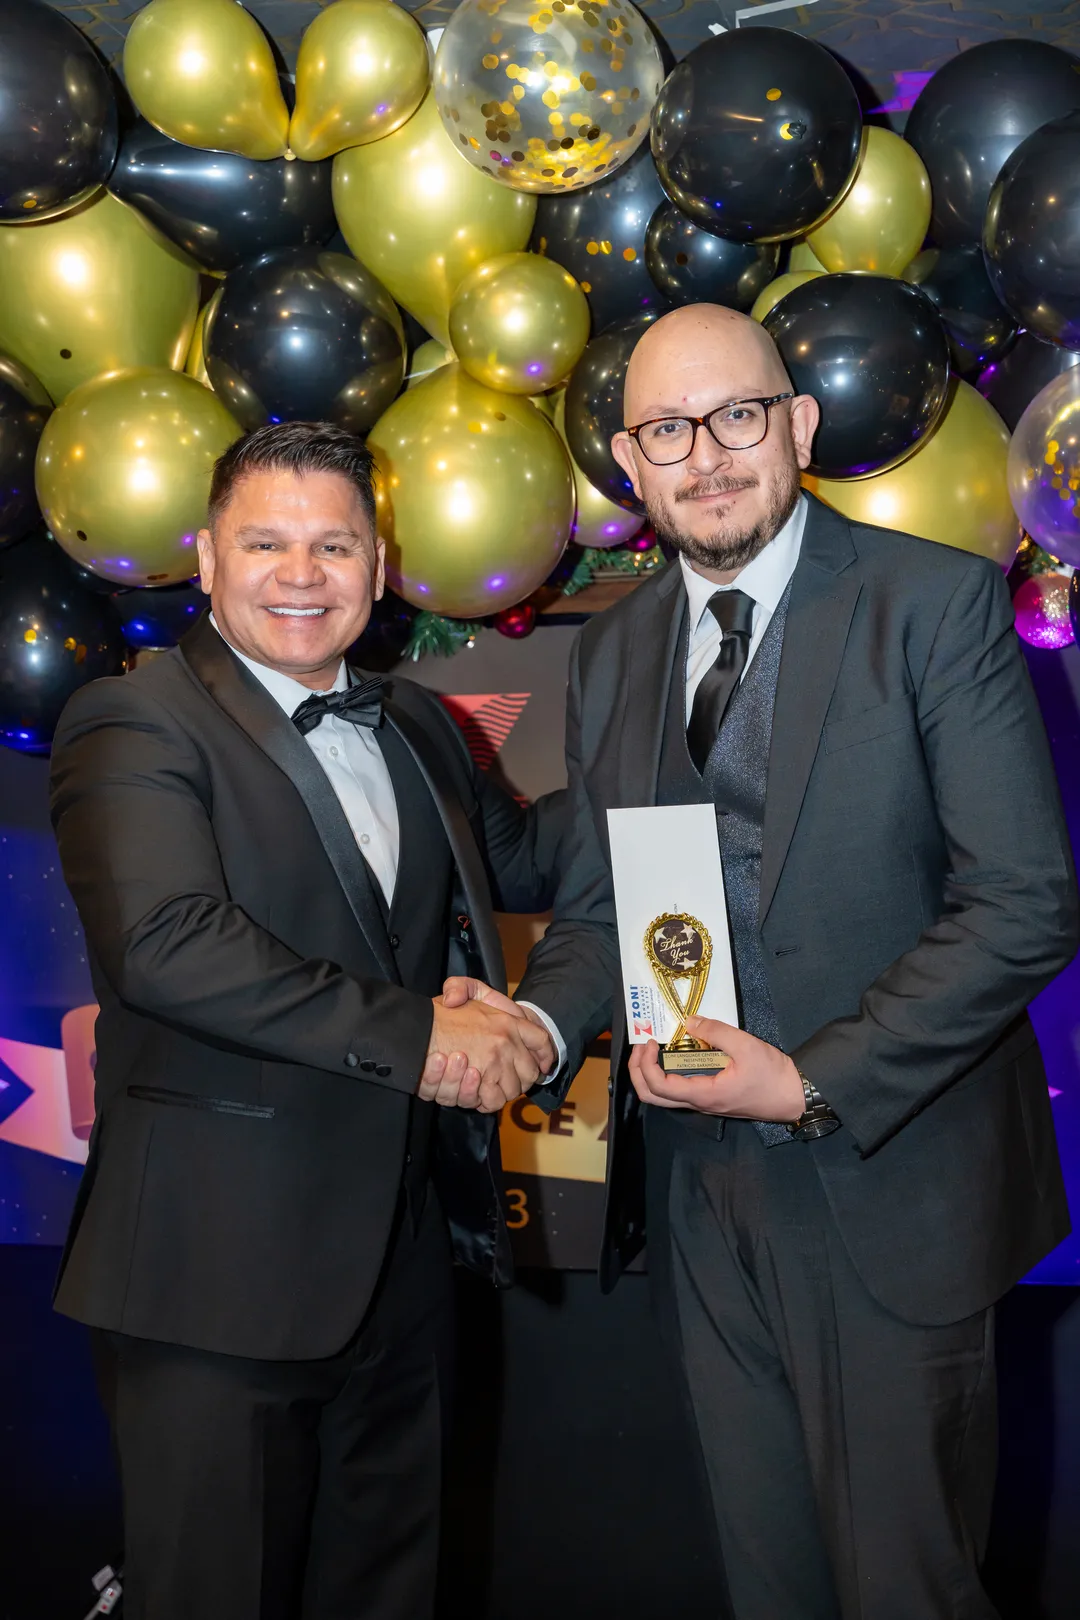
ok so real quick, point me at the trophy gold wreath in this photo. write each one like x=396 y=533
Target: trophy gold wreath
x=679 y=947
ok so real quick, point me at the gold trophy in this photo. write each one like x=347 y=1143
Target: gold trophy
x=679 y=947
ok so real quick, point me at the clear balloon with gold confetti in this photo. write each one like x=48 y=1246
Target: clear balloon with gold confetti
x=547 y=97
x=1044 y=468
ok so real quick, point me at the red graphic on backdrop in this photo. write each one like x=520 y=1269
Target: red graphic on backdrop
x=487 y=719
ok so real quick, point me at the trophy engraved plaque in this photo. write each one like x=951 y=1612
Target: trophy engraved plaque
x=678 y=948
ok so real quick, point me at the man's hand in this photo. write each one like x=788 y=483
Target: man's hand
x=759 y=1082
x=492 y=1052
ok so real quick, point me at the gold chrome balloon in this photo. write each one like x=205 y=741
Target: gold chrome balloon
x=519 y=323
x=363 y=69
x=802 y=257
x=123 y=473
x=426 y=359
x=598 y=522
x=203 y=72
x=881 y=221
x=421 y=218
x=772 y=294
x=195 y=364
x=547 y=99
x=953 y=489
x=475 y=495
x=92 y=291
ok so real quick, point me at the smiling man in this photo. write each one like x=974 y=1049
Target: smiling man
x=276 y=859
x=832 y=1217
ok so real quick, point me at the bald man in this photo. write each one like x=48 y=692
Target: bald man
x=831 y=1219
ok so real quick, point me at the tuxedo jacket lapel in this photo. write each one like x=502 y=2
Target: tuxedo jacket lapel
x=815 y=635
x=236 y=691
x=651 y=653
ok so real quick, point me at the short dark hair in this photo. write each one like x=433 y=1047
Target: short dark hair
x=297 y=447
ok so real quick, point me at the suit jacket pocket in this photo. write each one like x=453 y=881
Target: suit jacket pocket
x=883 y=718
x=191 y=1099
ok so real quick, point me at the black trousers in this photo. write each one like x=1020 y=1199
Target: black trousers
x=272 y=1490
x=850 y=1455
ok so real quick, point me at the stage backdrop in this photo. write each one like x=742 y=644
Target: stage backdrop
x=508 y=698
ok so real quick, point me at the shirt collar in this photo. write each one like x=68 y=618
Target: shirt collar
x=765 y=579
x=286 y=692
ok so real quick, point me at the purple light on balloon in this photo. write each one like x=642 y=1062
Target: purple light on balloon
x=384 y=106
x=611 y=529
x=1041 y=606
x=496 y=582
x=534 y=368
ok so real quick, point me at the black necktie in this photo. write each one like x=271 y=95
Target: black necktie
x=360 y=705
x=734 y=613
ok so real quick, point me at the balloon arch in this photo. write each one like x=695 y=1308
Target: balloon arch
x=453 y=253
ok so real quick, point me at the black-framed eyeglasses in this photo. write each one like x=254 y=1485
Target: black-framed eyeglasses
x=738 y=425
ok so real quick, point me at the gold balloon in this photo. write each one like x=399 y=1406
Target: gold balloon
x=420 y=217
x=426 y=359
x=123 y=473
x=203 y=72
x=363 y=69
x=547 y=100
x=598 y=522
x=772 y=294
x=519 y=323
x=195 y=364
x=475 y=495
x=95 y=290
x=803 y=257
x=881 y=221
x=953 y=489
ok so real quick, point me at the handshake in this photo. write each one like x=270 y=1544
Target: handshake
x=485 y=1049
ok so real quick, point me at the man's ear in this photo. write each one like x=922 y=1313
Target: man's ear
x=205 y=542
x=378 y=583
x=805 y=416
x=622 y=448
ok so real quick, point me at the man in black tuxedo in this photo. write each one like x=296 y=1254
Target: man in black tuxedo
x=831 y=1218
x=276 y=859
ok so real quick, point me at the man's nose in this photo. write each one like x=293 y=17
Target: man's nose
x=300 y=568
x=707 y=456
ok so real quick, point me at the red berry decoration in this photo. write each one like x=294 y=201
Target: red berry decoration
x=516 y=622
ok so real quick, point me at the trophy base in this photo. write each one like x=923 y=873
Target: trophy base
x=696 y=1061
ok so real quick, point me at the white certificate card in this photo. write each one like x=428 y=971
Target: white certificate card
x=666 y=858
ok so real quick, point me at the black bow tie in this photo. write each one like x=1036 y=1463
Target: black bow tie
x=360 y=705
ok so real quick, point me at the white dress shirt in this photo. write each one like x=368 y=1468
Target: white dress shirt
x=765 y=579
x=354 y=767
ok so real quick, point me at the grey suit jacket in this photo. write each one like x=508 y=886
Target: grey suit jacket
x=917 y=891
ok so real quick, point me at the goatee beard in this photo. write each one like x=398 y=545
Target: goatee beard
x=729 y=548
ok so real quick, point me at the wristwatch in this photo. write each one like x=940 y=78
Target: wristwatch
x=817 y=1119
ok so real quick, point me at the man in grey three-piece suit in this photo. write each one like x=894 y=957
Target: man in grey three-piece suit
x=830 y=1219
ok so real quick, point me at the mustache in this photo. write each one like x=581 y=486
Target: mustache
x=714 y=486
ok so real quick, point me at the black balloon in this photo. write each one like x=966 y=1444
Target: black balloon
x=979 y=327
x=158 y=617
x=594 y=408
x=304 y=334
x=756 y=134
x=54 y=637
x=598 y=234
x=1011 y=384
x=57 y=113
x=974 y=113
x=1032 y=234
x=219 y=207
x=873 y=352
x=692 y=266
x=24 y=408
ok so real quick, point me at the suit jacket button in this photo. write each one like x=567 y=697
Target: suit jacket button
x=611 y=1085
x=351 y=1060
x=368 y=1065
x=383 y=1070
x=394 y=942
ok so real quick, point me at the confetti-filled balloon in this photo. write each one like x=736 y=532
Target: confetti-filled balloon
x=55 y=636
x=1041 y=606
x=24 y=410
x=123 y=473
x=691 y=266
x=1044 y=468
x=420 y=217
x=547 y=100
x=756 y=134
x=92 y=291
x=519 y=323
x=880 y=222
x=954 y=488
x=362 y=70
x=475 y=495
x=203 y=71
